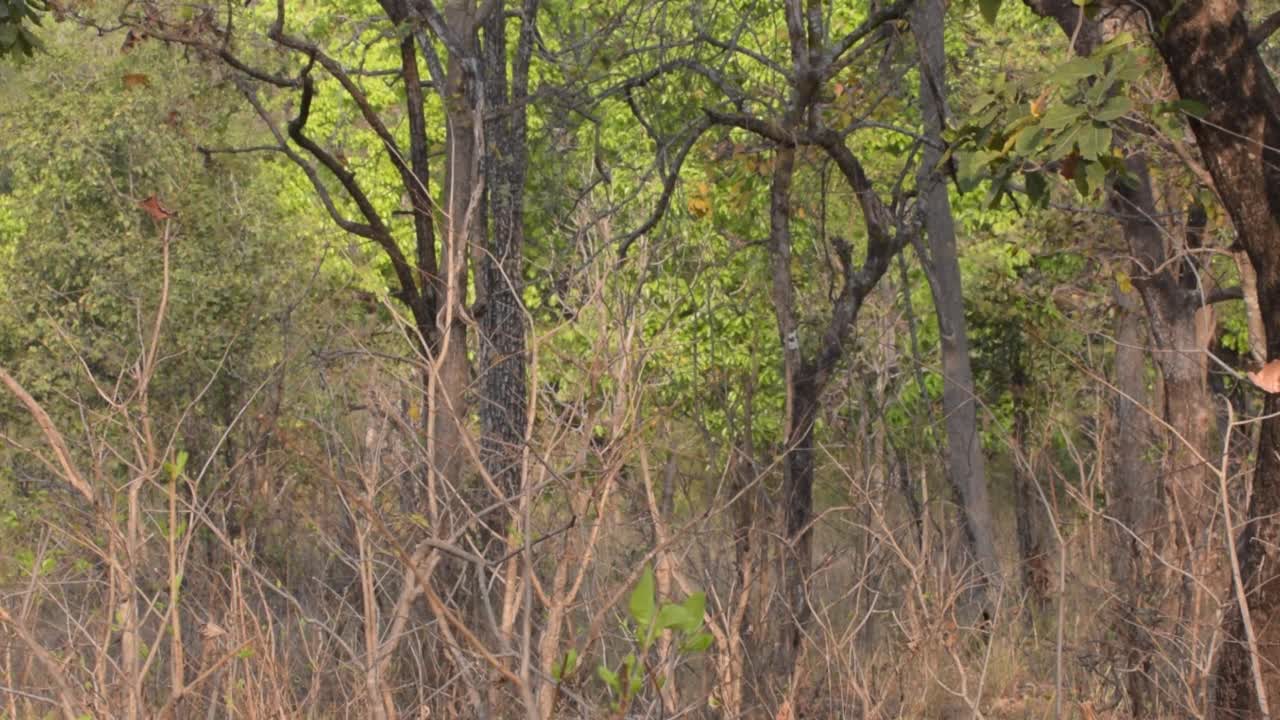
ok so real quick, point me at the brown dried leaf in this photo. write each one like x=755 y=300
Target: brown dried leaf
x=156 y=209
x=1268 y=378
x=135 y=80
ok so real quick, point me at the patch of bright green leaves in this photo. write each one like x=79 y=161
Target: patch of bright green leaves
x=1056 y=122
x=648 y=620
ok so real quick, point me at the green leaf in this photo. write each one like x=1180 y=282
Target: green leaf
x=1029 y=139
x=698 y=643
x=1037 y=188
x=1094 y=141
x=565 y=667
x=609 y=677
x=1118 y=106
x=1060 y=116
x=990 y=9
x=1194 y=108
x=175 y=468
x=1076 y=69
x=1096 y=174
x=642 y=600
x=694 y=605
x=672 y=616
x=982 y=102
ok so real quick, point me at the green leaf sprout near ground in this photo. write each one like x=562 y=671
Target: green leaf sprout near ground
x=648 y=620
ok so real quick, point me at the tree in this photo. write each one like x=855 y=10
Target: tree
x=1213 y=59
x=808 y=363
x=479 y=217
x=965 y=462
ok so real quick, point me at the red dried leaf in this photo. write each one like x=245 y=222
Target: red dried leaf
x=156 y=209
x=1069 y=164
x=131 y=40
x=135 y=80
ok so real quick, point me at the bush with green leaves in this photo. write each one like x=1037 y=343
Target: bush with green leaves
x=648 y=620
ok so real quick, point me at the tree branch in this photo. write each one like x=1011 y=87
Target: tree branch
x=668 y=188
x=1265 y=29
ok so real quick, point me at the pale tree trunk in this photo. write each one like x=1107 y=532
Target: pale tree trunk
x=461 y=227
x=965 y=463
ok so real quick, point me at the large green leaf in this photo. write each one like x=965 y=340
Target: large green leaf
x=1060 y=116
x=1094 y=141
x=1116 y=107
x=642 y=600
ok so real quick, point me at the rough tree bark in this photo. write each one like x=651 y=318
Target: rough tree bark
x=503 y=389
x=1179 y=320
x=1207 y=48
x=1132 y=494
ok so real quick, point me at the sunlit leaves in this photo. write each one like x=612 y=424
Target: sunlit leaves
x=1065 y=129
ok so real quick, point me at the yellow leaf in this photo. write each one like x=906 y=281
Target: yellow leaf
x=699 y=207
x=1124 y=282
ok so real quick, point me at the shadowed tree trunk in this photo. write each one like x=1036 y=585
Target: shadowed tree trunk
x=1132 y=495
x=1207 y=48
x=1033 y=521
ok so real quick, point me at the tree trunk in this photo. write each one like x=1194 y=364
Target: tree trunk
x=1206 y=46
x=965 y=462
x=797 y=484
x=1032 y=516
x=797 y=489
x=461 y=228
x=1132 y=496
x=503 y=389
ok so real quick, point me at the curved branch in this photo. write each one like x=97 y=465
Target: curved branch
x=668 y=189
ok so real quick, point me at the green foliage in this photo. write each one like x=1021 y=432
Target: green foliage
x=648 y=620
x=1058 y=121
x=16 y=17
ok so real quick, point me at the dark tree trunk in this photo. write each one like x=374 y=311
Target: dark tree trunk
x=1206 y=47
x=1032 y=518
x=797 y=490
x=807 y=373
x=503 y=387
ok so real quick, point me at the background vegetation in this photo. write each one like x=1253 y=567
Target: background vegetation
x=647 y=359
